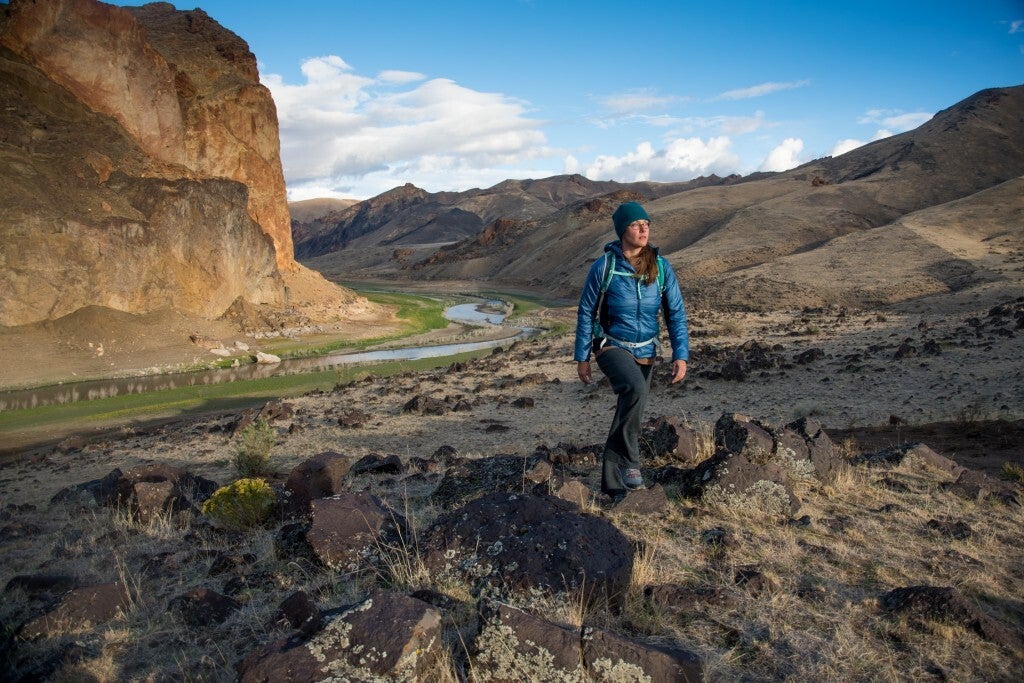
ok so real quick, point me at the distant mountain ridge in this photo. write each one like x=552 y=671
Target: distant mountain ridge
x=729 y=238
x=408 y=215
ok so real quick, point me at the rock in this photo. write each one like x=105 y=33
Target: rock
x=425 y=405
x=515 y=646
x=353 y=419
x=649 y=501
x=573 y=491
x=730 y=479
x=523 y=541
x=318 y=477
x=819 y=447
x=466 y=479
x=377 y=464
x=174 y=160
x=808 y=356
x=203 y=607
x=683 y=600
x=523 y=402
x=669 y=436
x=540 y=472
x=348 y=529
x=739 y=434
x=950 y=528
x=80 y=608
x=91 y=493
x=153 y=499
x=72 y=443
x=299 y=610
x=978 y=486
x=262 y=358
x=388 y=636
x=946 y=604
x=220 y=351
x=608 y=657
x=754 y=581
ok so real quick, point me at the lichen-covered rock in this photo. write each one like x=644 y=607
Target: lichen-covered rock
x=515 y=646
x=608 y=657
x=388 y=635
x=730 y=479
x=466 y=479
x=351 y=528
x=519 y=542
x=817 y=444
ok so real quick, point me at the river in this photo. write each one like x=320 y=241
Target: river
x=476 y=314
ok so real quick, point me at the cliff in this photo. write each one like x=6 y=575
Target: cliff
x=142 y=161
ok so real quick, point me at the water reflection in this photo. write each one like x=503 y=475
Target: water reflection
x=472 y=313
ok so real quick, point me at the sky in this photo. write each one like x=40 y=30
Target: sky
x=452 y=95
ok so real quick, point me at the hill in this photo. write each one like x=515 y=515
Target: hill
x=769 y=239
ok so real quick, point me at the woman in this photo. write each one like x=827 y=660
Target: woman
x=620 y=326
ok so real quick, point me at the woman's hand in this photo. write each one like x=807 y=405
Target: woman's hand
x=678 y=370
x=583 y=370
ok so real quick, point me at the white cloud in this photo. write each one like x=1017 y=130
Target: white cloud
x=1017 y=26
x=761 y=90
x=339 y=128
x=635 y=101
x=844 y=146
x=400 y=77
x=784 y=157
x=681 y=159
x=895 y=119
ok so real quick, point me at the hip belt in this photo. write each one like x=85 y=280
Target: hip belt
x=629 y=345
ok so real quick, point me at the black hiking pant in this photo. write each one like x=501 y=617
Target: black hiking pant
x=632 y=384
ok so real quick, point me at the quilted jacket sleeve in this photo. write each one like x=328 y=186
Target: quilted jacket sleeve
x=585 y=312
x=675 y=316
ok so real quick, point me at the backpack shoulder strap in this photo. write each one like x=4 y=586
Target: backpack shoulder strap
x=662 y=267
x=609 y=270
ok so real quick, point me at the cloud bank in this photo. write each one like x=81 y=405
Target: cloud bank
x=352 y=134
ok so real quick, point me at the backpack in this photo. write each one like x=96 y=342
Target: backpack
x=606 y=281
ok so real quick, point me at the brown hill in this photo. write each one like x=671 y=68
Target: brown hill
x=412 y=218
x=920 y=212
x=142 y=163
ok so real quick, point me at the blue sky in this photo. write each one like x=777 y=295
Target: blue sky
x=450 y=95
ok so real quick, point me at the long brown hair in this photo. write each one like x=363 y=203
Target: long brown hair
x=646 y=265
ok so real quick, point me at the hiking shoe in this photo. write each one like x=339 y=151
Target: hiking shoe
x=632 y=479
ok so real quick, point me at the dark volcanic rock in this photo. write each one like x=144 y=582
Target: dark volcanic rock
x=350 y=528
x=317 y=477
x=946 y=604
x=387 y=636
x=204 y=607
x=88 y=605
x=466 y=479
x=665 y=436
x=523 y=541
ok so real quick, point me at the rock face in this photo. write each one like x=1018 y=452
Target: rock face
x=142 y=164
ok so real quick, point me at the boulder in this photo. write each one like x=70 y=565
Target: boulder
x=648 y=502
x=90 y=494
x=946 y=604
x=739 y=434
x=609 y=657
x=523 y=541
x=514 y=646
x=350 y=528
x=377 y=464
x=465 y=479
x=669 y=436
x=425 y=405
x=317 y=477
x=203 y=607
x=731 y=479
x=388 y=636
x=262 y=358
x=816 y=443
x=80 y=608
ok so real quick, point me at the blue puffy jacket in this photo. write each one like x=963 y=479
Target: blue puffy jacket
x=632 y=310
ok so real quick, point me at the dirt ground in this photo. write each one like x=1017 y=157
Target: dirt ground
x=953 y=380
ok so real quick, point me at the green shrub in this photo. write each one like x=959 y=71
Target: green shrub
x=252 y=454
x=241 y=505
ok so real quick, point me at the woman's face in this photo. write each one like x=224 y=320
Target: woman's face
x=636 y=235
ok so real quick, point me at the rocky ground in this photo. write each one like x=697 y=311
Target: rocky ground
x=727 y=588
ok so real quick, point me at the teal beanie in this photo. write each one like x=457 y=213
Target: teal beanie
x=626 y=214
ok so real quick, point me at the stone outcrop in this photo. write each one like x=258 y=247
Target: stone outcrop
x=142 y=168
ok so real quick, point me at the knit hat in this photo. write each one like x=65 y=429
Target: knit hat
x=626 y=214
